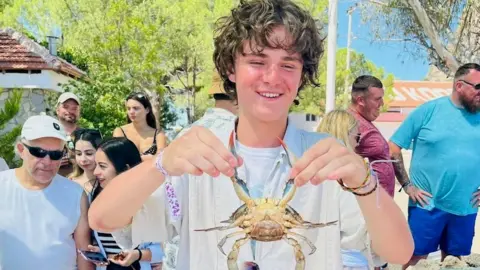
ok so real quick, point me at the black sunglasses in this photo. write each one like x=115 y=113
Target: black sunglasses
x=41 y=153
x=475 y=86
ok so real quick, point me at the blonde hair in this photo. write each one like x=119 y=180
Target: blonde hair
x=338 y=123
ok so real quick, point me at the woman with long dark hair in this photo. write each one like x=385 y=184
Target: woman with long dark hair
x=84 y=146
x=141 y=129
x=115 y=156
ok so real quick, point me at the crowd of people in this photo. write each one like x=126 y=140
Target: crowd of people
x=125 y=198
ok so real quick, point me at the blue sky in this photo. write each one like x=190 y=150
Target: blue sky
x=389 y=55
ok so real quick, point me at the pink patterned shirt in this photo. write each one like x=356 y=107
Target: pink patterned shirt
x=372 y=145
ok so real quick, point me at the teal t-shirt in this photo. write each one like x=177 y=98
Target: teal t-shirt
x=446 y=154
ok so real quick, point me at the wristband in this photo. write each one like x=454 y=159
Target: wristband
x=139 y=254
x=174 y=206
x=158 y=164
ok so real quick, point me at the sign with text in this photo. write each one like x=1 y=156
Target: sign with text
x=411 y=94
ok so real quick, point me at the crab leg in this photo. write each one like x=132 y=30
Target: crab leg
x=233 y=255
x=223 y=228
x=298 y=253
x=224 y=239
x=309 y=243
x=310 y=225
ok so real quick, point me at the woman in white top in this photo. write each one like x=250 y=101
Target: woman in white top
x=113 y=157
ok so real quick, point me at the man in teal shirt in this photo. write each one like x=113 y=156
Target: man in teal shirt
x=445 y=173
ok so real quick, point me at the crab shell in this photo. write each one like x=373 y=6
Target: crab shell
x=267 y=221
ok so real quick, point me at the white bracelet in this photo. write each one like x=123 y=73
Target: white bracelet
x=158 y=164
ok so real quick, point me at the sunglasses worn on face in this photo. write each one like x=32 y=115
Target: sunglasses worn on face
x=41 y=153
x=475 y=86
x=357 y=137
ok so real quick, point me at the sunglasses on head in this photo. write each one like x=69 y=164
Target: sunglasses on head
x=41 y=153
x=91 y=131
x=139 y=96
x=475 y=86
x=79 y=132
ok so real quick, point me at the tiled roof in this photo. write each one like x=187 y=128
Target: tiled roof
x=18 y=52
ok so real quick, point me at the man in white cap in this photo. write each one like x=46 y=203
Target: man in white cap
x=68 y=113
x=44 y=215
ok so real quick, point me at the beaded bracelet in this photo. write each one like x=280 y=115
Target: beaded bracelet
x=368 y=192
x=364 y=184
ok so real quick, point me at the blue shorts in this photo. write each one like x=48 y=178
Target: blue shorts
x=436 y=228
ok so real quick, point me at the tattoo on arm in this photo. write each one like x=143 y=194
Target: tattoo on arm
x=399 y=168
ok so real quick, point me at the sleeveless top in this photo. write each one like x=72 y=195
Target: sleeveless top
x=150 y=151
x=38 y=225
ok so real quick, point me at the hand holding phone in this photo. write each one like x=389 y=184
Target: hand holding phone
x=94 y=257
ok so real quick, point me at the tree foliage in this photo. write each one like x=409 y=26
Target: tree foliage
x=447 y=32
x=7 y=139
x=312 y=100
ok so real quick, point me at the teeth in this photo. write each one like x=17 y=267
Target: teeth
x=270 y=95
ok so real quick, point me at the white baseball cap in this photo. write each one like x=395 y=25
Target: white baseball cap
x=66 y=96
x=43 y=126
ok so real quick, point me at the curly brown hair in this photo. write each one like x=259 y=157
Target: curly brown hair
x=255 y=20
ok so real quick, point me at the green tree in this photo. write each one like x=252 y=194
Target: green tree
x=7 y=139
x=167 y=113
x=312 y=99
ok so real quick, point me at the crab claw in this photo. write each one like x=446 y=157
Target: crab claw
x=290 y=187
x=238 y=184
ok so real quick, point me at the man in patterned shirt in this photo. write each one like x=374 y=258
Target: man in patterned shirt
x=367 y=100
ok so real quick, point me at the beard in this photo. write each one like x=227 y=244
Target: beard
x=69 y=119
x=471 y=105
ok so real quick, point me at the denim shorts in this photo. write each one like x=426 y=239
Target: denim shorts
x=434 y=229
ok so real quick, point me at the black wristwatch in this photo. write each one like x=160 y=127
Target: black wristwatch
x=404 y=186
x=139 y=255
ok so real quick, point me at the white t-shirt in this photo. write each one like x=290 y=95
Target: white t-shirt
x=257 y=172
x=36 y=226
x=205 y=202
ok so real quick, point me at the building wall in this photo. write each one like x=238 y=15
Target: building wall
x=33 y=103
x=305 y=121
x=47 y=79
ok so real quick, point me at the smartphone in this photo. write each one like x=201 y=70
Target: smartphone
x=95 y=257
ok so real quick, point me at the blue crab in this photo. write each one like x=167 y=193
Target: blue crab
x=265 y=219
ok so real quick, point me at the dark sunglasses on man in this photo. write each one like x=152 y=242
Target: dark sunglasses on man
x=41 y=153
x=475 y=86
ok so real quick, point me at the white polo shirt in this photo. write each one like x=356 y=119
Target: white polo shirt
x=206 y=201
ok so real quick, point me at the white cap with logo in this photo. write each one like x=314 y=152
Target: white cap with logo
x=66 y=96
x=43 y=126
